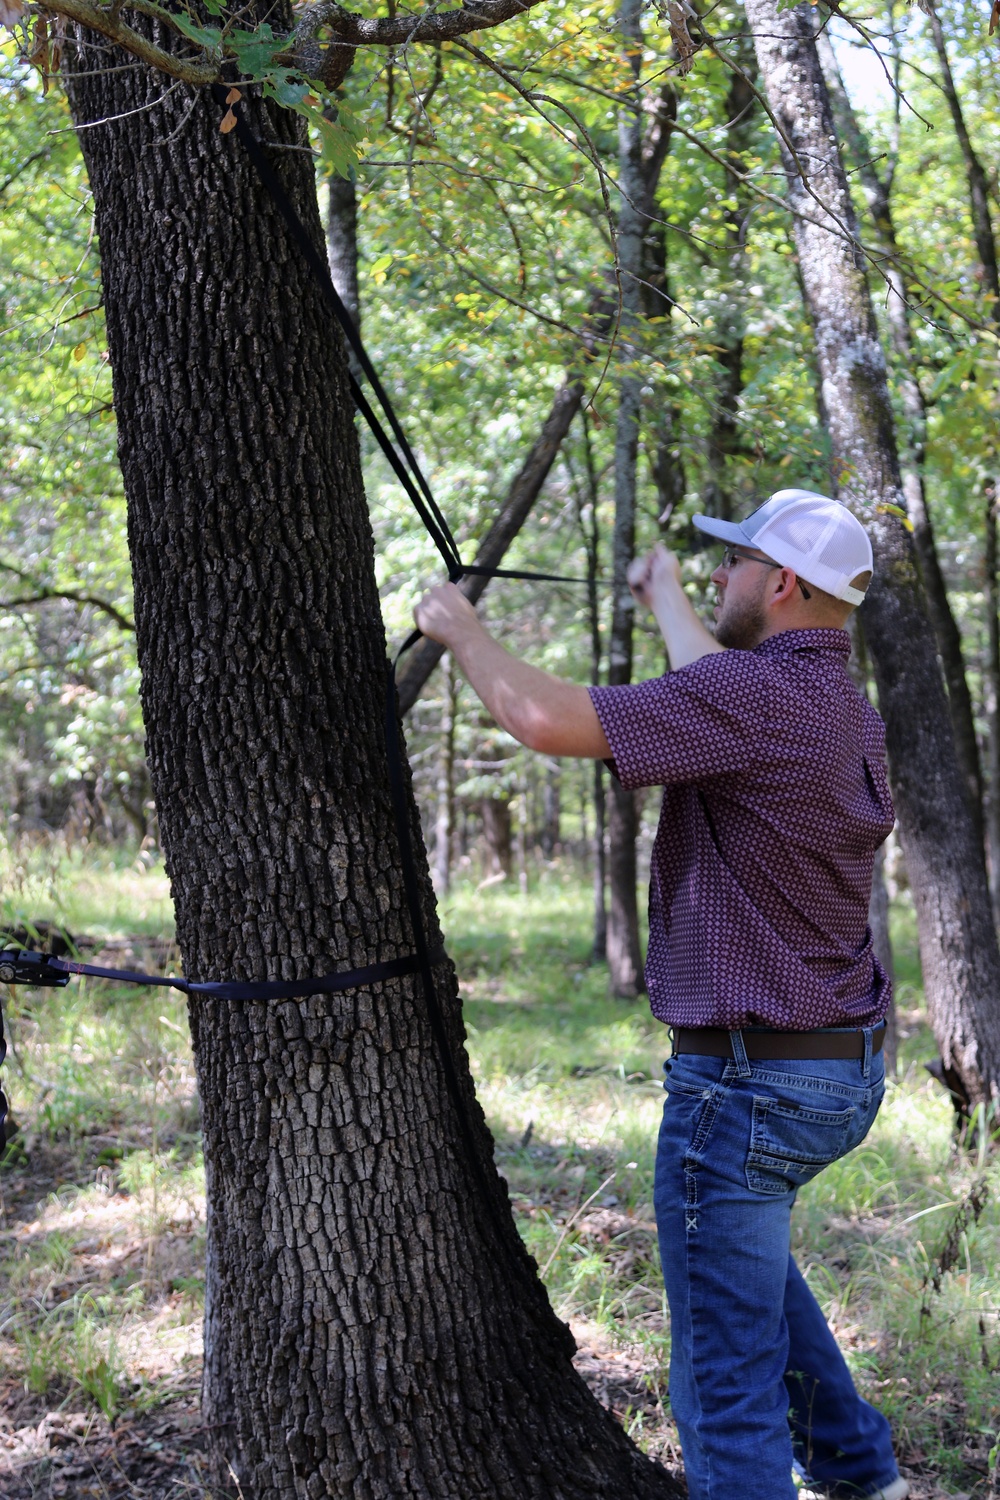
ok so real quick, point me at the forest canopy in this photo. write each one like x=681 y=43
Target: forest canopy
x=487 y=198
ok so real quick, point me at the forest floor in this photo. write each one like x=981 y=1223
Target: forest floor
x=102 y=1199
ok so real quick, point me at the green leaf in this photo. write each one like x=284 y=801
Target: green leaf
x=255 y=51
x=209 y=37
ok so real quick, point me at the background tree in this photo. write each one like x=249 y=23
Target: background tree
x=959 y=952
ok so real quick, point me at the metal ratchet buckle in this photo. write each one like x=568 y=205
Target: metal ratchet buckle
x=19 y=966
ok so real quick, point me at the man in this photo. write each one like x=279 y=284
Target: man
x=760 y=958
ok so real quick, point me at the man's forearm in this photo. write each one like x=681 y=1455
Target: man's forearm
x=687 y=638
x=543 y=712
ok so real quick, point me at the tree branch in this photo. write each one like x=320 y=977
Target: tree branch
x=344 y=31
x=107 y=23
x=399 y=30
x=76 y=596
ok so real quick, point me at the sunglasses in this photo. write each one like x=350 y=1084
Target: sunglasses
x=733 y=555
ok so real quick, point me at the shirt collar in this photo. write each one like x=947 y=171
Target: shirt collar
x=822 y=639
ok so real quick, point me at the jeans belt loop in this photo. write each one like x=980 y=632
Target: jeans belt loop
x=866 y=1065
x=743 y=1069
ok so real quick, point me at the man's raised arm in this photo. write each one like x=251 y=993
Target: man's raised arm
x=541 y=711
x=656 y=582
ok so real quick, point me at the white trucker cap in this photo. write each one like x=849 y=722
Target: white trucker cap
x=818 y=537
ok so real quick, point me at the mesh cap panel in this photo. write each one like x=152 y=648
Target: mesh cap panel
x=817 y=536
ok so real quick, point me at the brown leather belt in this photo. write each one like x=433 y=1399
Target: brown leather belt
x=786 y=1046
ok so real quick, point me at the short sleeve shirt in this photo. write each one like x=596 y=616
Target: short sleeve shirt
x=775 y=799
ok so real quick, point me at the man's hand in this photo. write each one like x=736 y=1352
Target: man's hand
x=656 y=582
x=444 y=614
x=649 y=577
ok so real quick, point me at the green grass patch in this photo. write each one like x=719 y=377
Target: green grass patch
x=101 y=1272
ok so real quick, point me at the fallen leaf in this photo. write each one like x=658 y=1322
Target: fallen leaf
x=234 y=96
x=228 y=122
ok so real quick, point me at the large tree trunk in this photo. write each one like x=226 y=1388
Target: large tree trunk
x=878 y=192
x=375 y=1327
x=958 y=943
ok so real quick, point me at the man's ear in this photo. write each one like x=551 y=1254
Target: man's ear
x=786 y=584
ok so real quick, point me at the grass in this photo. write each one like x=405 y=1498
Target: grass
x=102 y=1235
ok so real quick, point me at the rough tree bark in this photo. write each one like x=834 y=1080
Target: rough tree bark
x=375 y=1328
x=958 y=944
x=878 y=192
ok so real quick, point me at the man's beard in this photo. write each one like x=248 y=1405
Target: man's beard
x=741 y=626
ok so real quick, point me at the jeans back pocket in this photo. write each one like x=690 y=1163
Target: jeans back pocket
x=790 y=1143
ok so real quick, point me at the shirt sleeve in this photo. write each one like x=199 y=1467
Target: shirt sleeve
x=698 y=723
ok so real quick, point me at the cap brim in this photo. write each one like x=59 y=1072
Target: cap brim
x=726 y=531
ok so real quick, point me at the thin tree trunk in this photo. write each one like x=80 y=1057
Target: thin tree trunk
x=521 y=837
x=342 y=242
x=374 y=1326
x=991 y=684
x=730 y=308
x=420 y=662
x=878 y=921
x=878 y=903
x=586 y=514
x=979 y=198
x=495 y=813
x=878 y=191
x=445 y=820
x=551 y=809
x=958 y=944
x=624 y=952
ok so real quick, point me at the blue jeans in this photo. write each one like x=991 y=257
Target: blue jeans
x=756 y=1378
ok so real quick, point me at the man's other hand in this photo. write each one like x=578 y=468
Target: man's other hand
x=649 y=576
x=444 y=613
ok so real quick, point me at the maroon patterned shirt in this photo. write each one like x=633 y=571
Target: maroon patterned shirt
x=775 y=801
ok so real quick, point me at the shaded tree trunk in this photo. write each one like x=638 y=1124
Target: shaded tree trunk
x=551 y=809
x=958 y=944
x=878 y=921
x=878 y=903
x=730 y=309
x=991 y=683
x=495 y=813
x=420 y=662
x=878 y=192
x=623 y=949
x=642 y=150
x=586 y=513
x=342 y=243
x=975 y=176
x=374 y=1326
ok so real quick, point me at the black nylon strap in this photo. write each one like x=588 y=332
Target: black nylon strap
x=268 y=989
